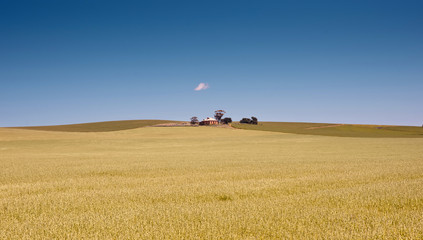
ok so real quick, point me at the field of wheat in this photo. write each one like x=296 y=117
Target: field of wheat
x=208 y=183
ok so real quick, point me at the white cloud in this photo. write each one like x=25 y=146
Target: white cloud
x=201 y=86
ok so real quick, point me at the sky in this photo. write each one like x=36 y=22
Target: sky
x=64 y=62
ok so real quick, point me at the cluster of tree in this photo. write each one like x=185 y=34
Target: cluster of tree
x=253 y=120
x=226 y=120
x=218 y=114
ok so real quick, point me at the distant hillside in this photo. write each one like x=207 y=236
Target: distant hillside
x=322 y=129
x=99 y=126
x=339 y=130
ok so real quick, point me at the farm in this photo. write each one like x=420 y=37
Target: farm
x=220 y=120
x=207 y=183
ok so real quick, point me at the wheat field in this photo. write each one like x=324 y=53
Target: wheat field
x=208 y=183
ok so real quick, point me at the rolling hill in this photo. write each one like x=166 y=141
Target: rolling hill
x=100 y=126
x=321 y=129
x=338 y=130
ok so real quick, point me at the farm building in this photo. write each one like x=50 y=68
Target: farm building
x=209 y=121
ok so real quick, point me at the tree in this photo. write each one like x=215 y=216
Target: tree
x=245 y=120
x=226 y=120
x=194 y=120
x=218 y=114
x=253 y=120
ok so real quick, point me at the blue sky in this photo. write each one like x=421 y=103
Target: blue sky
x=309 y=61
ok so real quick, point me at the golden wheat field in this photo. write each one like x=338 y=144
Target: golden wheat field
x=208 y=183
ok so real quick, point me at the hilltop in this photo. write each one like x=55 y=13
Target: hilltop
x=322 y=129
x=100 y=126
x=337 y=130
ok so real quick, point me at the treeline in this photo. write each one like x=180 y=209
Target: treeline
x=252 y=120
x=226 y=120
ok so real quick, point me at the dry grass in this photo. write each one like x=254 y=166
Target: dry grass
x=208 y=183
x=337 y=130
x=100 y=126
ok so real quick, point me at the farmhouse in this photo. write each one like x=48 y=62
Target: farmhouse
x=209 y=121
